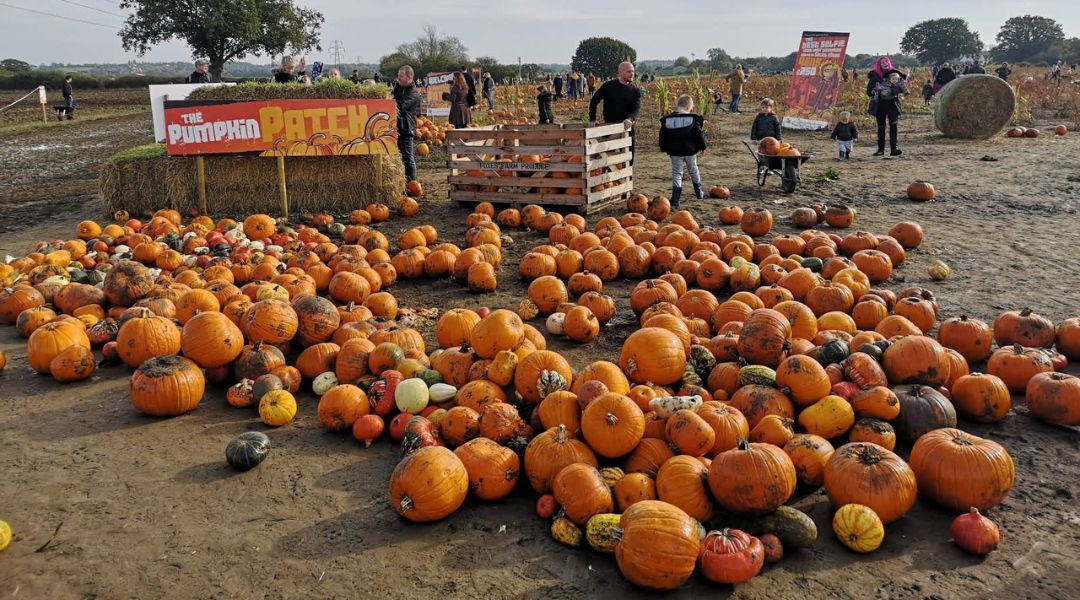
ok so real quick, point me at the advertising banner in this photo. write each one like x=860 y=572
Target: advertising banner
x=281 y=127
x=816 y=80
x=435 y=85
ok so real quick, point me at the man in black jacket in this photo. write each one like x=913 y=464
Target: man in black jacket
x=682 y=137
x=408 y=107
x=69 y=99
x=622 y=101
x=489 y=90
x=470 y=81
x=558 y=86
x=200 y=74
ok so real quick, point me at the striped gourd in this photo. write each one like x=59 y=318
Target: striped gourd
x=757 y=375
x=601 y=532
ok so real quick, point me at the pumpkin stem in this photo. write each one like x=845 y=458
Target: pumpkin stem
x=612 y=419
x=1026 y=312
x=406 y=503
x=744 y=444
x=1017 y=348
x=560 y=434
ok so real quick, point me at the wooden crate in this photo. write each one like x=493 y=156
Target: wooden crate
x=498 y=164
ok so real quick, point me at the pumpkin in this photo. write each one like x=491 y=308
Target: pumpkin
x=428 y=484
x=317 y=319
x=460 y=425
x=210 y=339
x=682 y=482
x=975 y=534
x=1024 y=328
x=957 y=469
x=916 y=359
x=648 y=457
x=730 y=556
x=549 y=452
x=773 y=429
x=728 y=425
x=271 y=321
x=1068 y=338
x=566 y=533
x=341 y=406
x=757 y=401
x=499 y=421
x=602 y=532
x=1016 y=365
x=145 y=337
x=765 y=337
x=1054 y=398
x=49 y=340
x=752 y=477
x=922 y=409
x=756 y=221
x=277 y=408
x=659 y=545
x=127 y=283
x=876 y=402
x=581 y=325
x=794 y=528
x=972 y=338
x=840 y=216
x=247 y=450
x=165 y=386
x=874 y=430
x=867 y=474
x=804 y=379
x=981 y=398
x=581 y=492
x=74 y=363
x=809 y=453
x=938 y=270
x=633 y=488
x=541 y=373
x=862 y=370
x=560 y=408
x=612 y=425
x=653 y=355
x=493 y=469
x=858 y=527
x=499 y=330
x=455 y=326
x=830 y=417
x=921 y=191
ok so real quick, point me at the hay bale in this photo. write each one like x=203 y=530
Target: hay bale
x=237 y=186
x=974 y=107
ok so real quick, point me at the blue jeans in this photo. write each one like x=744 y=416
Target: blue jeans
x=405 y=144
x=735 y=103
x=687 y=163
x=490 y=99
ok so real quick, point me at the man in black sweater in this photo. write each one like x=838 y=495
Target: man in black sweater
x=408 y=107
x=200 y=74
x=622 y=101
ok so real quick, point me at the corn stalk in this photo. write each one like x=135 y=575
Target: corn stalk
x=663 y=96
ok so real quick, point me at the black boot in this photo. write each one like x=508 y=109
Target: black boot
x=880 y=152
x=698 y=192
x=676 y=192
x=896 y=152
x=841 y=155
x=847 y=155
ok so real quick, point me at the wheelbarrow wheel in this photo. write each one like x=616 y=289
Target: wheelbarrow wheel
x=791 y=177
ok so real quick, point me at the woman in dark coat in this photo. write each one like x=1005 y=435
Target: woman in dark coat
x=459 y=102
x=886 y=88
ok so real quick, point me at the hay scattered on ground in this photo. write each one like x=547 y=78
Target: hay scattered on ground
x=974 y=107
x=240 y=185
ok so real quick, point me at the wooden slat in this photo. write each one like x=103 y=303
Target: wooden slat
x=566 y=167
x=518 y=181
x=525 y=137
x=607 y=161
x=612 y=191
x=594 y=147
x=512 y=198
x=600 y=130
x=568 y=150
x=612 y=176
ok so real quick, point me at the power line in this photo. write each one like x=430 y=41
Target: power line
x=48 y=14
x=337 y=50
x=93 y=8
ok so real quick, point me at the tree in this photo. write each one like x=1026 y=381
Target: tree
x=221 y=31
x=682 y=61
x=601 y=56
x=1021 y=38
x=15 y=65
x=719 y=60
x=429 y=53
x=940 y=40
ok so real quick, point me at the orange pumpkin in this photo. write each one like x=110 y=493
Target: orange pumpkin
x=682 y=482
x=865 y=473
x=428 y=485
x=549 y=452
x=612 y=425
x=752 y=478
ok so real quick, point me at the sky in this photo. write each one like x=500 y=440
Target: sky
x=545 y=31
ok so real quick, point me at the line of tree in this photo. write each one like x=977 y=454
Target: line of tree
x=1028 y=39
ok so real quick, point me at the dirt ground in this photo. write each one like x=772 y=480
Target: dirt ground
x=106 y=503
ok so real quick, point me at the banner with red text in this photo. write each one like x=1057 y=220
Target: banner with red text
x=815 y=82
x=339 y=127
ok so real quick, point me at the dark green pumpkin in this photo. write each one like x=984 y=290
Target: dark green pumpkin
x=702 y=360
x=247 y=450
x=813 y=263
x=430 y=376
x=833 y=352
x=794 y=528
x=872 y=350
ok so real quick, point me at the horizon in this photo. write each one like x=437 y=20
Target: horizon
x=744 y=33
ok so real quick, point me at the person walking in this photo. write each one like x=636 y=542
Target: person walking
x=1004 y=71
x=459 y=102
x=622 y=101
x=736 y=79
x=200 y=74
x=543 y=104
x=69 y=99
x=469 y=87
x=591 y=81
x=682 y=138
x=886 y=101
x=1055 y=73
x=489 y=90
x=558 y=86
x=408 y=111
x=944 y=76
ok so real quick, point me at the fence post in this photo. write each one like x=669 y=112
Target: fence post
x=281 y=186
x=200 y=172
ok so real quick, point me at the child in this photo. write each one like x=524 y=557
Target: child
x=927 y=92
x=766 y=123
x=682 y=138
x=845 y=133
x=543 y=101
x=718 y=100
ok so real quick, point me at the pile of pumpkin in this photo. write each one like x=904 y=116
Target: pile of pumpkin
x=430 y=132
x=540 y=177
x=1031 y=132
x=773 y=147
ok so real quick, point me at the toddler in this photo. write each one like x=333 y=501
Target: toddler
x=682 y=138
x=845 y=133
x=543 y=102
x=927 y=92
x=766 y=123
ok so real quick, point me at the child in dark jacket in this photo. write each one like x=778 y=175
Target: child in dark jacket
x=765 y=123
x=543 y=103
x=845 y=133
x=682 y=138
x=927 y=92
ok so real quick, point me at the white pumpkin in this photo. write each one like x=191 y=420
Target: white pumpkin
x=324 y=382
x=411 y=395
x=555 y=323
x=669 y=405
x=442 y=392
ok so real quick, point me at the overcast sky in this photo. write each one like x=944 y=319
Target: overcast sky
x=542 y=31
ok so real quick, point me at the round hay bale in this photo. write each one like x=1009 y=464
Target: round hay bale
x=974 y=107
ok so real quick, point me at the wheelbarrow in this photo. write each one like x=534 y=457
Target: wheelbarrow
x=787 y=168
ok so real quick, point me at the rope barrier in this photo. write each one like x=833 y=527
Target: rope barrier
x=33 y=91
